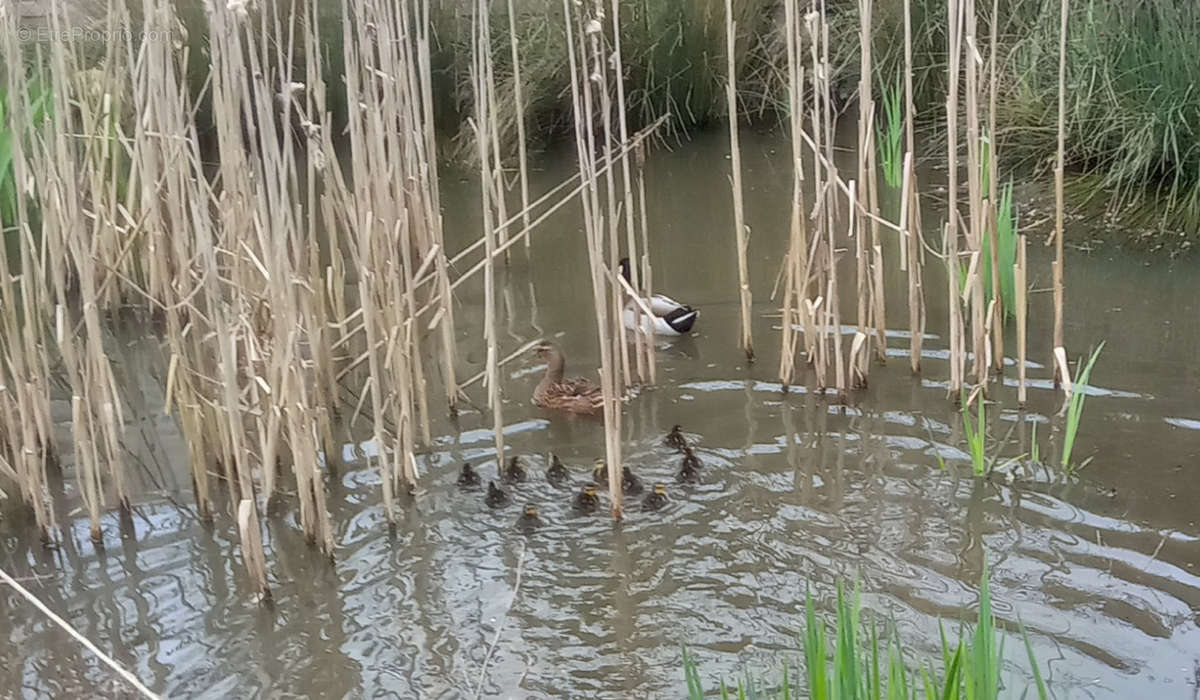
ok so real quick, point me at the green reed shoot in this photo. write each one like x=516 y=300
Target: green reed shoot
x=1075 y=408
x=857 y=670
x=39 y=105
x=1006 y=237
x=890 y=136
x=976 y=436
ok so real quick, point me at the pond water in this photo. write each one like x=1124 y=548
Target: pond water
x=798 y=492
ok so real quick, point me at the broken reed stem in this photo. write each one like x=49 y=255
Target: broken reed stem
x=1061 y=377
x=739 y=219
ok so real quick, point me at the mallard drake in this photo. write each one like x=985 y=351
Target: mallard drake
x=669 y=316
x=657 y=498
x=587 y=500
x=600 y=472
x=631 y=485
x=574 y=395
x=676 y=439
x=529 y=518
x=557 y=474
x=515 y=472
x=496 y=496
x=468 y=476
x=689 y=472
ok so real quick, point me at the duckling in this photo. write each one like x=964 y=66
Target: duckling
x=676 y=439
x=557 y=474
x=574 y=395
x=669 y=318
x=600 y=472
x=468 y=477
x=515 y=472
x=657 y=499
x=689 y=473
x=586 y=500
x=496 y=496
x=529 y=520
x=631 y=485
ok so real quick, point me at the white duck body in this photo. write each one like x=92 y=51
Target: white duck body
x=668 y=317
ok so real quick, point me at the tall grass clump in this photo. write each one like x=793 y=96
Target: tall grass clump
x=1075 y=408
x=865 y=664
x=976 y=436
x=40 y=106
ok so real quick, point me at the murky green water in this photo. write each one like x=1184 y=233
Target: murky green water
x=1104 y=571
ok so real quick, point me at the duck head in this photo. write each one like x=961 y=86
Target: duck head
x=531 y=511
x=660 y=489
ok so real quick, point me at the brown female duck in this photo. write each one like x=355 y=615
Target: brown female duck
x=574 y=395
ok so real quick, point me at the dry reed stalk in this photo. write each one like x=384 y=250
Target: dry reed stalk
x=599 y=76
x=1019 y=278
x=975 y=205
x=817 y=309
x=866 y=117
x=519 y=106
x=993 y=188
x=795 y=282
x=581 y=98
x=647 y=288
x=1061 y=374
x=871 y=181
x=739 y=219
x=643 y=341
x=483 y=130
x=954 y=49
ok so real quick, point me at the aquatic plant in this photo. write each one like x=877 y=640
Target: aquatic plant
x=866 y=665
x=976 y=436
x=890 y=136
x=1006 y=240
x=1075 y=409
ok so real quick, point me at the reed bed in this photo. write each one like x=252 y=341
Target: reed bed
x=302 y=287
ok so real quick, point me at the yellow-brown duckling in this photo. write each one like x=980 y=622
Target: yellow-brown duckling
x=529 y=519
x=515 y=472
x=557 y=474
x=496 y=496
x=689 y=472
x=600 y=472
x=676 y=439
x=657 y=498
x=468 y=476
x=586 y=500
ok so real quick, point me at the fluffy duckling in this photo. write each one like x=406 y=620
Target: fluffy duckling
x=689 y=472
x=468 y=476
x=586 y=500
x=496 y=496
x=657 y=499
x=676 y=440
x=631 y=485
x=600 y=472
x=529 y=519
x=515 y=472
x=557 y=474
